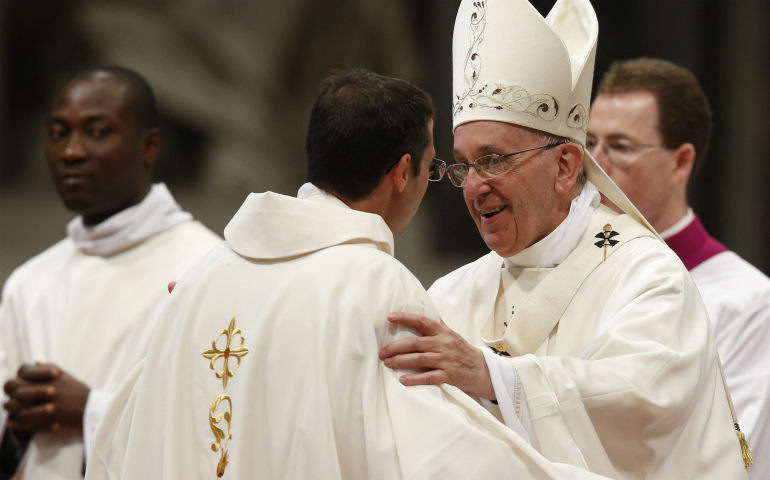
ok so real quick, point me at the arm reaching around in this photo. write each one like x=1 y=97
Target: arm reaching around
x=448 y=356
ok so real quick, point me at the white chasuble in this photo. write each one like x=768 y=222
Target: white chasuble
x=92 y=315
x=265 y=365
x=616 y=357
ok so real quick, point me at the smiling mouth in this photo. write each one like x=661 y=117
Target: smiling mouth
x=491 y=212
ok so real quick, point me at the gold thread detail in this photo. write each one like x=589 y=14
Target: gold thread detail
x=513 y=98
x=221 y=439
x=578 y=118
x=748 y=460
x=214 y=353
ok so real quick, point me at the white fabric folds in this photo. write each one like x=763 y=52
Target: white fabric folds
x=158 y=211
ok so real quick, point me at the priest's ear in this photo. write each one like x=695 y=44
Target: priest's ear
x=685 y=161
x=401 y=172
x=151 y=145
x=569 y=160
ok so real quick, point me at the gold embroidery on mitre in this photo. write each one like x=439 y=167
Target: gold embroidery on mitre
x=472 y=64
x=221 y=439
x=578 y=118
x=215 y=353
x=503 y=97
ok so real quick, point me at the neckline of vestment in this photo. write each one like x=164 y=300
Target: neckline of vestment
x=157 y=212
x=693 y=245
x=557 y=245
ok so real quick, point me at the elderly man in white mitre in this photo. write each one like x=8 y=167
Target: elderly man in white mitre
x=589 y=329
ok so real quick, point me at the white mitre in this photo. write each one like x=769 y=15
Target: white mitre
x=512 y=65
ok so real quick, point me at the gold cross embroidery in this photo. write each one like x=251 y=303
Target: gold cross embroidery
x=215 y=353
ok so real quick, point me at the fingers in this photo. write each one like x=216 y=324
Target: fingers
x=434 y=377
x=38 y=418
x=421 y=323
x=171 y=286
x=407 y=345
x=39 y=372
x=34 y=394
x=414 y=360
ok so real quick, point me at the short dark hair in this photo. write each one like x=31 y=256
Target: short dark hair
x=141 y=98
x=684 y=114
x=360 y=125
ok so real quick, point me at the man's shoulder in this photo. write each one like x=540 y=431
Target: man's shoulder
x=191 y=233
x=45 y=262
x=188 y=239
x=466 y=273
x=731 y=279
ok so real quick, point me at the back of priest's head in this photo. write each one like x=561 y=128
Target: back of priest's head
x=361 y=124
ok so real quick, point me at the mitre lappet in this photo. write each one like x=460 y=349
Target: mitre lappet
x=512 y=65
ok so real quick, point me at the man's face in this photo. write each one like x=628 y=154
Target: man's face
x=94 y=149
x=646 y=176
x=416 y=188
x=518 y=208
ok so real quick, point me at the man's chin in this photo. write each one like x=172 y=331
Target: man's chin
x=498 y=245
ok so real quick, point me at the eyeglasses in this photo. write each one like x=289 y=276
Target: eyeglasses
x=620 y=152
x=436 y=169
x=488 y=166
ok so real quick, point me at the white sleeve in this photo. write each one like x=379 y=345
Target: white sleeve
x=509 y=393
x=96 y=405
x=3 y=415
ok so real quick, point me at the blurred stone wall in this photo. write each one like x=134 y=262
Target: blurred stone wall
x=235 y=80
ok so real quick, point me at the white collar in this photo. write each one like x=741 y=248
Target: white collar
x=679 y=226
x=158 y=211
x=557 y=245
x=309 y=191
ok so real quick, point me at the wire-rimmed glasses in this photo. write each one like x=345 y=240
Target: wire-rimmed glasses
x=436 y=169
x=487 y=166
x=619 y=151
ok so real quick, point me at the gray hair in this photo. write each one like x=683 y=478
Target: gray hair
x=549 y=139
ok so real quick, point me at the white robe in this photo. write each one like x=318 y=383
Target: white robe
x=92 y=315
x=737 y=297
x=626 y=383
x=305 y=286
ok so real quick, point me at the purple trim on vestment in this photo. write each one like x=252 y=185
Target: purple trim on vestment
x=694 y=245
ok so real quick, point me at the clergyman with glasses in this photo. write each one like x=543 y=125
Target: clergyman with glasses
x=650 y=129
x=264 y=363
x=581 y=324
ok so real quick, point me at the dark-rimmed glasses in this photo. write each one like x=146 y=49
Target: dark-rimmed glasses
x=487 y=166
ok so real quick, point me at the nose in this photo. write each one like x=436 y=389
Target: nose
x=75 y=148
x=475 y=185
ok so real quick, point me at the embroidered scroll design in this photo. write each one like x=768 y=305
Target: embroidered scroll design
x=215 y=353
x=222 y=438
x=578 y=118
x=503 y=97
x=472 y=63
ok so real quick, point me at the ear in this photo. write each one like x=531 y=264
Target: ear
x=685 y=160
x=569 y=162
x=401 y=173
x=151 y=145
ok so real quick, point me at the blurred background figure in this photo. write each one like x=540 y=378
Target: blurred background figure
x=235 y=81
x=650 y=129
x=85 y=307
